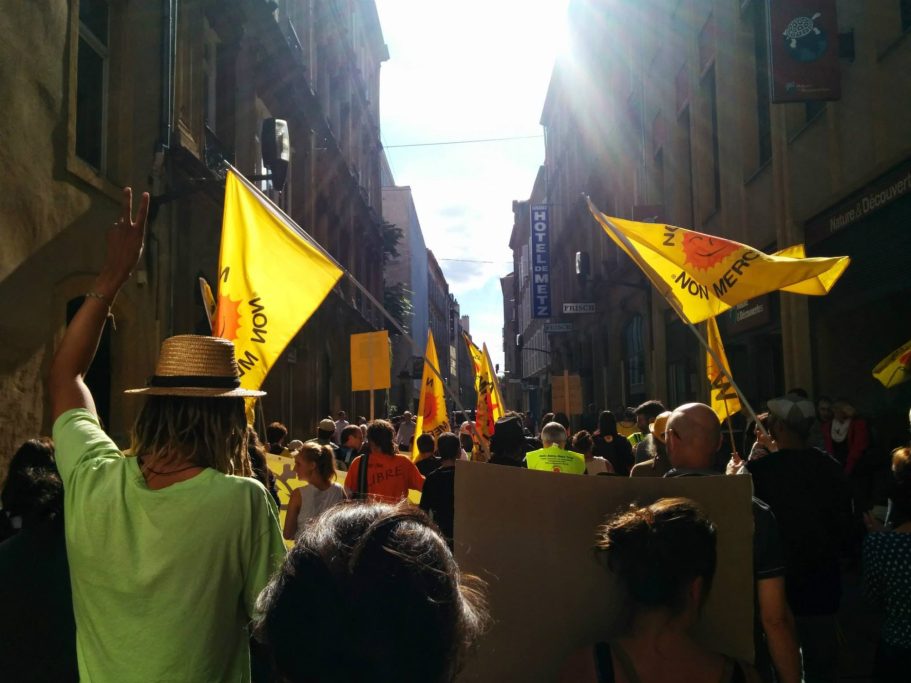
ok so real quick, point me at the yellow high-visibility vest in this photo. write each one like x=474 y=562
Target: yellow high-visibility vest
x=555 y=459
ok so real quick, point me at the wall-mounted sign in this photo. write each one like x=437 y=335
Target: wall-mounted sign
x=803 y=51
x=586 y=307
x=540 y=261
x=889 y=187
x=557 y=328
x=750 y=314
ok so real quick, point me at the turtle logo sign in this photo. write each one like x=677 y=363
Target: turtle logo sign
x=806 y=42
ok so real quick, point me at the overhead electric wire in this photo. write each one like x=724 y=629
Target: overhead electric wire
x=465 y=142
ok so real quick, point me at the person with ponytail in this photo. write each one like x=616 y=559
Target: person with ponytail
x=315 y=464
x=664 y=556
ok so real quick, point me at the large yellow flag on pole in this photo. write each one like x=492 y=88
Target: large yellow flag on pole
x=489 y=407
x=499 y=406
x=258 y=308
x=725 y=401
x=432 y=413
x=707 y=275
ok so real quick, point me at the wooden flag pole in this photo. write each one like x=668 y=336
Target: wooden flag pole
x=730 y=430
x=672 y=301
x=371 y=393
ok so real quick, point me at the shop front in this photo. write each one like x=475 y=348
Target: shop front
x=868 y=312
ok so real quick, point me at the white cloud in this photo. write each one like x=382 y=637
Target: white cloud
x=459 y=71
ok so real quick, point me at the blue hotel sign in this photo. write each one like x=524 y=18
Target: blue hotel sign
x=540 y=261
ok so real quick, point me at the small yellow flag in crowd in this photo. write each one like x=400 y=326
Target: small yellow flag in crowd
x=489 y=407
x=725 y=401
x=261 y=248
x=707 y=275
x=895 y=368
x=432 y=415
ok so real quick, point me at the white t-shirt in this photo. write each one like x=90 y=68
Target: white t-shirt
x=596 y=465
x=314 y=502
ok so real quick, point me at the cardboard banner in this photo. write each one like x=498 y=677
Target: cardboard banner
x=548 y=592
x=558 y=394
x=370 y=364
x=803 y=54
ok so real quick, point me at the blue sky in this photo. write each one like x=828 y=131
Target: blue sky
x=461 y=71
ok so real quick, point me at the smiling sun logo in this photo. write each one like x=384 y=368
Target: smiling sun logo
x=227 y=318
x=704 y=251
x=430 y=406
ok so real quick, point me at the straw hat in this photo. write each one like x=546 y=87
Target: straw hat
x=196 y=366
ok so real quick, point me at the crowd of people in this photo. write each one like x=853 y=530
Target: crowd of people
x=168 y=561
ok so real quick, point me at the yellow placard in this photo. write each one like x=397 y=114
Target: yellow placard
x=370 y=364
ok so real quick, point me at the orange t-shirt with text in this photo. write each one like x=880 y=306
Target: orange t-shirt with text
x=388 y=476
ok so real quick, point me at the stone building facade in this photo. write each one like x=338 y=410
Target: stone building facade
x=158 y=96
x=661 y=111
x=409 y=269
x=438 y=305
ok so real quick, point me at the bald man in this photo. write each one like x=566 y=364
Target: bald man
x=693 y=437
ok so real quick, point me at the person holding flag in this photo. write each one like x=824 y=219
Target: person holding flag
x=432 y=416
x=702 y=275
x=168 y=548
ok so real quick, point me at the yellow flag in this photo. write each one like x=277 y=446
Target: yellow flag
x=707 y=275
x=432 y=414
x=270 y=280
x=725 y=401
x=499 y=408
x=895 y=368
x=208 y=301
x=489 y=407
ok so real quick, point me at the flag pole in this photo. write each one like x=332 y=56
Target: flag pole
x=674 y=304
x=730 y=429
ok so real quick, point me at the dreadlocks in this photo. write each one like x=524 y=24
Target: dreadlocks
x=209 y=432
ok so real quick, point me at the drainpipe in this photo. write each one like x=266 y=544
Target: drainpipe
x=168 y=48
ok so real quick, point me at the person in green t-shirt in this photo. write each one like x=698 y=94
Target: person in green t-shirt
x=168 y=550
x=554 y=457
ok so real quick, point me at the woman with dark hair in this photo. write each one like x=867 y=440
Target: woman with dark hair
x=315 y=464
x=261 y=472
x=276 y=433
x=168 y=549
x=887 y=576
x=16 y=494
x=584 y=444
x=370 y=593
x=37 y=631
x=386 y=476
x=664 y=556
x=608 y=444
